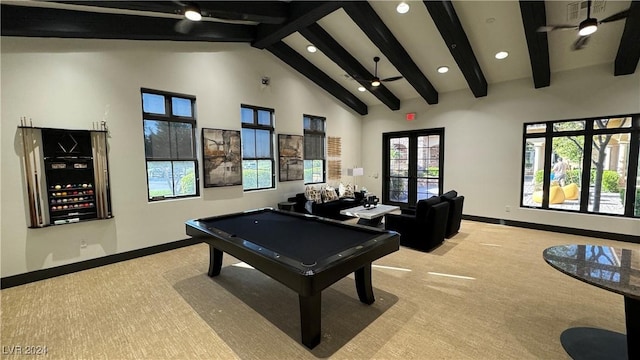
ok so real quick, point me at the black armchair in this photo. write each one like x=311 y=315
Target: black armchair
x=455 y=212
x=426 y=229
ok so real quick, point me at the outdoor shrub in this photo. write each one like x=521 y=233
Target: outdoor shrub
x=397 y=185
x=610 y=181
x=609 y=178
x=187 y=184
x=573 y=176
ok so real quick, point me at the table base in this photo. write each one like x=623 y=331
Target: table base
x=310 y=306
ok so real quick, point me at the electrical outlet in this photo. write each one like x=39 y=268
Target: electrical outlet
x=83 y=244
x=507 y=208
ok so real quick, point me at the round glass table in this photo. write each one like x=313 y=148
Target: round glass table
x=610 y=268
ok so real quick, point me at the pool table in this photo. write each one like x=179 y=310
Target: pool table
x=304 y=252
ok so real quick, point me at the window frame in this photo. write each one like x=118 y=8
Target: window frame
x=323 y=134
x=256 y=126
x=170 y=118
x=631 y=186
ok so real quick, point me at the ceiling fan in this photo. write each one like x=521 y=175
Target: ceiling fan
x=376 y=81
x=586 y=27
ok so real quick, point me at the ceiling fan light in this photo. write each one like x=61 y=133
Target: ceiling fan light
x=311 y=48
x=402 y=8
x=443 y=69
x=588 y=27
x=192 y=13
x=375 y=82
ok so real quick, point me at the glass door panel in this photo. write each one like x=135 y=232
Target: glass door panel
x=428 y=166
x=399 y=170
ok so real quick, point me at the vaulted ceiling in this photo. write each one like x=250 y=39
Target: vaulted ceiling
x=462 y=35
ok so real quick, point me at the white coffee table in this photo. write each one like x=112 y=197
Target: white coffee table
x=371 y=216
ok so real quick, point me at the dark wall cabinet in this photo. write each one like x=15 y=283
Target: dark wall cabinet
x=68 y=160
x=75 y=185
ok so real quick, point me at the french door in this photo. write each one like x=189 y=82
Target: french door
x=413 y=166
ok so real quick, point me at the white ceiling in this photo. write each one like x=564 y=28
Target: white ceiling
x=491 y=26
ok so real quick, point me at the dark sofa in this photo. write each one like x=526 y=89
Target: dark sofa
x=329 y=209
x=426 y=225
x=455 y=212
x=425 y=228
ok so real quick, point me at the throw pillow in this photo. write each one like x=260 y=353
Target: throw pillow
x=329 y=194
x=348 y=191
x=341 y=189
x=312 y=194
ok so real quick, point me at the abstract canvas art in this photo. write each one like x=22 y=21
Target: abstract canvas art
x=290 y=150
x=222 y=154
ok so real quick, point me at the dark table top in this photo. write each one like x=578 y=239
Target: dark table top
x=610 y=268
x=297 y=239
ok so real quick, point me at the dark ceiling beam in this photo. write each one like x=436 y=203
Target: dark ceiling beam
x=268 y=12
x=302 y=14
x=370 y=23
x=533 y=17
x=304 y=67
x=629 y=50
x=334 y=51
x=447 y=22
x=32 y=21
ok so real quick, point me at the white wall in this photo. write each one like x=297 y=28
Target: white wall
x=66 y=83
x=483 y=139
x=71 y=83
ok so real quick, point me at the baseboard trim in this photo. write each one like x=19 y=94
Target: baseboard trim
x=32 y=276
x=558 y=229
x=37 y=275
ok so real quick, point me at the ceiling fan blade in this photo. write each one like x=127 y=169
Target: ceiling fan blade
x=580 y=43
x=615 y=17
x=548 y=28
x=393 y=78
x=183 y=26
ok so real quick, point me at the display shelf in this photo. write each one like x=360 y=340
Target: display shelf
x=70 y=190
x=67 y=175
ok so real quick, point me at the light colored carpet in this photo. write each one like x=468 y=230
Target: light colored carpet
x=507 y=304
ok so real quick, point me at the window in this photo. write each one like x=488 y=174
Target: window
x=257 y=147
x=414 y=163
x=314 y=157
x=585 y=165
x=169 y=131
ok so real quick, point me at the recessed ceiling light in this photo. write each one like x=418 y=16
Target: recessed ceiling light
x=311 y=48
x=501 y=55
x=443 y=69
x=402 y=8
x=362 y=89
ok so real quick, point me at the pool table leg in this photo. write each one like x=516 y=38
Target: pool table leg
x=310 y=319
x=215 y=261
x=632 y=314
x=363 y=284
